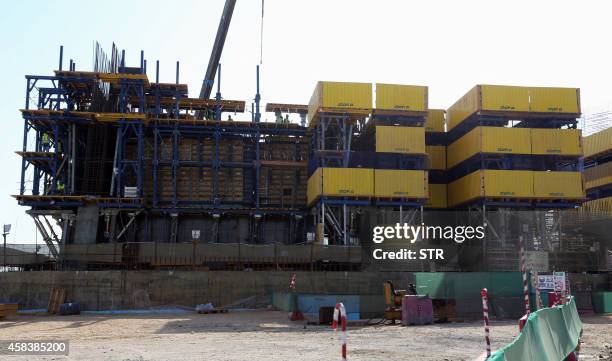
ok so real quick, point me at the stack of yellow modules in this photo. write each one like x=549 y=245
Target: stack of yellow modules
x=514 y=101
x=397 y=121
x=533 y=160
x=598 y=164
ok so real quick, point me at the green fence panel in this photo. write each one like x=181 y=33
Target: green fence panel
x=458 y=285
x=602 y=302
x=550 y=334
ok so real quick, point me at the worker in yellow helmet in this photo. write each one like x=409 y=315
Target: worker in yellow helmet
x=60 y=186
x=45 y=142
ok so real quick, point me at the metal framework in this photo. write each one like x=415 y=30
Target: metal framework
x=96 y=137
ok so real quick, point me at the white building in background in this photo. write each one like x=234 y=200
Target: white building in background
x=595 y=122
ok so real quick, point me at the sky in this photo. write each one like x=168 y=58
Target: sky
x=447 y=45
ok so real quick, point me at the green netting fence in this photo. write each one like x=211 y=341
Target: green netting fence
x=549 y=334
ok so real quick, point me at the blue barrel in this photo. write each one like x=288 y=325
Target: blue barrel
x=69 y=309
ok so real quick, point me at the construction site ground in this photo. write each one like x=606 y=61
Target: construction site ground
x=269 y=335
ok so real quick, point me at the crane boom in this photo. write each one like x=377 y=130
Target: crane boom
x=215 y=55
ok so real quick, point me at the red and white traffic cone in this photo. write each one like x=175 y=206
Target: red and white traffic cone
x=340 y=316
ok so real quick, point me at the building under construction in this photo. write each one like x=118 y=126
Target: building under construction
x=121 y=169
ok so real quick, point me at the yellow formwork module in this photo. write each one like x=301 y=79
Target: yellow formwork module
x=501 y=99
x=504 y=98
x=601 y=205
x=506 y=184
x=494 y=98
x=597 y=176
x=436 y=155
x=598 y=144
x=567 y=142
x=340 y=97
x=398 y=139
x=435 y=121
x=489 y=140
x=394 y=183
x=558 y=185
x=340 y=182
x=437 y=196
x=403 y=98
x=554 y=100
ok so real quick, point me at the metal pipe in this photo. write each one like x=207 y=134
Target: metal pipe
x=218 y=95
x=73 y=157
x=257 y=99
x=157 y=72
x=142 y=61
x=61 y=57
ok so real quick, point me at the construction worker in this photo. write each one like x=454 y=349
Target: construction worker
x=279 y=118
x=229 y=118
x=286 y=121
x=60 y=186
x=46 y=145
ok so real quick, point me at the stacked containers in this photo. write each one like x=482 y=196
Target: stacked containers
x=387 y=162
x=435 y=140
x=503 y=146
x=398 y=124
x=598 y=171
x=333 y=108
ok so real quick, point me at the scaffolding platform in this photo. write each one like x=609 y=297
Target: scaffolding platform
x=193 y=104
x=44 y=116
x=40 y=159
x=398 y=201
x=518 y=120
x=398 y=117
x=287 y=108
x=112 y=78
x=345 y=114
x=521 y=203
x=75 y=200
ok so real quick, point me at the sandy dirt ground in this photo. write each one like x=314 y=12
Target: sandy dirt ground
x=268 y=335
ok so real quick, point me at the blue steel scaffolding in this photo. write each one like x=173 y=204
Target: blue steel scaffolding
x=96 y=138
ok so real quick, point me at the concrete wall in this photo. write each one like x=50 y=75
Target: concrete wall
x=107 y=290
